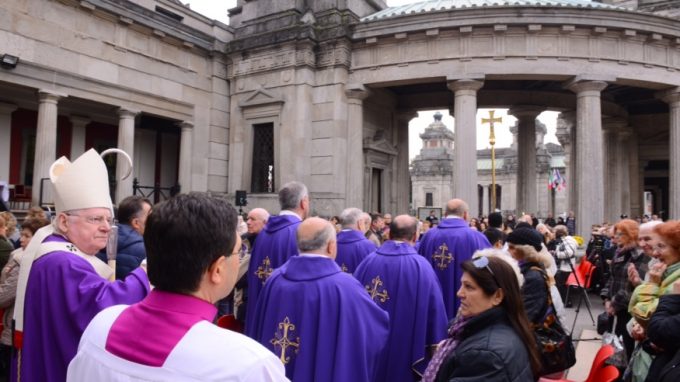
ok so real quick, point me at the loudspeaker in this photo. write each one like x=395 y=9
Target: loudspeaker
x=241 y=198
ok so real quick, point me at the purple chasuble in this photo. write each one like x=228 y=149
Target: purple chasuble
x=353 y=247
x=320 y=322
x=63 y=294
x=403 y=283
x=446 y=246
x=170 y=315
x=275 y=244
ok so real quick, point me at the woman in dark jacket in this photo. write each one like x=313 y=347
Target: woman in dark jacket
x=664 y=338
x=490 y=339
x=524 y=244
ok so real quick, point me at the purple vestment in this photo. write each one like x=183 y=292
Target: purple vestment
x=63 y=294
x=275 y=244
x=320 y=322
x=353 y=247
x=402 y=283
x=446 y=246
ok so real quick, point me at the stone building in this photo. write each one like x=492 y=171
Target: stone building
x=432 y=173
x=322 y=92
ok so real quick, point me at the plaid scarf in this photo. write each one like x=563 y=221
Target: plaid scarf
x=446 y=347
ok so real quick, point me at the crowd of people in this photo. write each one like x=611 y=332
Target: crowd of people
x=356 y=297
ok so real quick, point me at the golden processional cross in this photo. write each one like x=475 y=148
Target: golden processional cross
x=443 y=257
x=492 y=141
x=281 y=340
x=374 y=292
x=264 y=270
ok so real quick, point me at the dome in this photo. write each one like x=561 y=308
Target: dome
x=446 y=5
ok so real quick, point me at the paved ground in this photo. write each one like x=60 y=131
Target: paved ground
x=584 y=330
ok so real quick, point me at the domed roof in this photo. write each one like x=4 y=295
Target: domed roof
x=446 y=5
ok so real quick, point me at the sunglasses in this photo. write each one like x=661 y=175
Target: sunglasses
x=483 y=263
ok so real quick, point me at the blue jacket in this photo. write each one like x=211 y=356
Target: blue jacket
x=131 y=251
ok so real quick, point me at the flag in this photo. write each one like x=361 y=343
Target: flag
x=551 y=180
x=560 y=181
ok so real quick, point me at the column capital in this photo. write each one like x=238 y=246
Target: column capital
x=625 y=133
x=357 y=92
x=124 y=112
x=613 y=124
x=456 y=85
x=7 y=108
x=406 y=116
x=185 y=125
x=79 y=120
x=579 y=86
x=526 y=111
x=671 y=96
x=50 y=96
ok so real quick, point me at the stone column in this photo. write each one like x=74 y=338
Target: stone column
x=45 y=142
x=673 y=99
x=465 y=149
x=78 y=135
x=565 y=133
x=611 y=155
x=624 y=169
x=6 y=110
x=634 y=170
x=589 y=160
x=185 y=155
x=403 y=175
x=527 y=198
x=354 y=191
x=126 y=142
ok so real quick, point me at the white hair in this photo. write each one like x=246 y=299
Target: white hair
x=493 y=252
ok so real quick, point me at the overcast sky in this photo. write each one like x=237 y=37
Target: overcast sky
x=217 y=9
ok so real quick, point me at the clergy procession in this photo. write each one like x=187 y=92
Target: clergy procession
x=188 y=290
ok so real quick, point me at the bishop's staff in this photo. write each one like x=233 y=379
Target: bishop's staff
x=492 y=141
x=112 y=239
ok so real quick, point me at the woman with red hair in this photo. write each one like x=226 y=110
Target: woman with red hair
x=619 y=288
x=661 y=277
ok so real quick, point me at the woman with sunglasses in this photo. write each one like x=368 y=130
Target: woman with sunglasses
x=483 y=338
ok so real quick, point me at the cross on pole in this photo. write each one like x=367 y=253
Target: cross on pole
x=373 y=290
x=492 y=141
x=281 y=340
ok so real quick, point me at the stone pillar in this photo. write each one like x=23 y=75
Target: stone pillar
x=589 y=159
x=354 y=191
x=185 y=155
x=527 y=198
x=611 y=155
x=465 y=149
x=78 y=135
x=624 y=156
x=565 y=133
x=45 y=142
x=6 y=110
x=634 y=170
x=673 y=99
x=126 y=142
x=403 y=174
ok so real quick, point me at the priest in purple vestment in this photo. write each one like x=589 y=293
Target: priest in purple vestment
x=276 y=243
x=62 y=284
x=353 y=246
x=403 y=283
x=447 y=245
x=318 y=320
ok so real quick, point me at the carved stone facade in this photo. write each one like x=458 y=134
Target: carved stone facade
x=339 y=81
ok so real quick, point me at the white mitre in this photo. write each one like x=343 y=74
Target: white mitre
x=81 y=184
x=78 y=185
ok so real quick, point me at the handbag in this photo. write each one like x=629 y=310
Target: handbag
x=605 y=323
x=555 y=346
